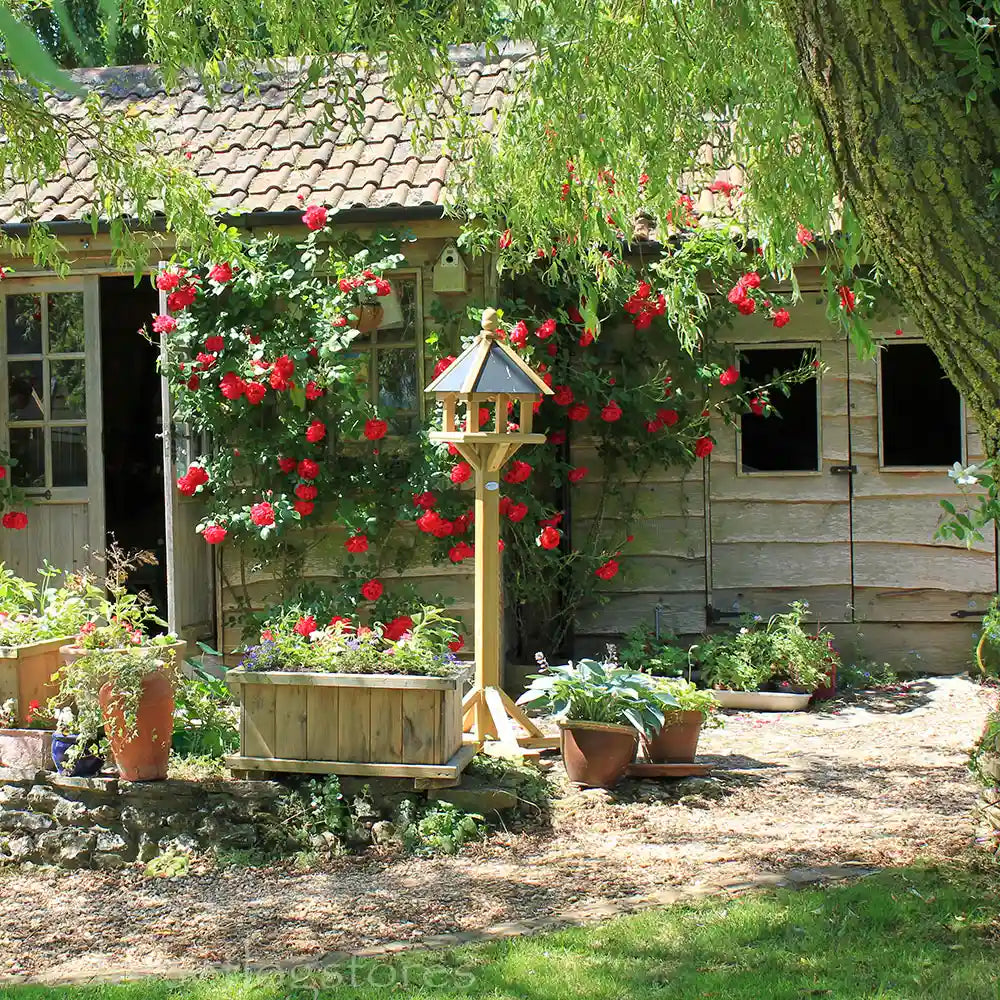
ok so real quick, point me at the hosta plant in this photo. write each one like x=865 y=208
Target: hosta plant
x=591 y=691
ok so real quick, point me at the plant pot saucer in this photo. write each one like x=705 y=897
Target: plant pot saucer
x=644 y=769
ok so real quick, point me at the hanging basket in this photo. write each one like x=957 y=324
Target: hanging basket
x=369 y=317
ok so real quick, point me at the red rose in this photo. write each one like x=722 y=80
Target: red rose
x=181 y=298
x=803 y=235
x=756 y=407
x=425 y=500
x=262 y=514
x=206 y=360
x=669 y=417
x=306 y=491
x=608 y=570
x=578 y=412
x=737 y=294
x=344 y=622
x=643 y=320
x=255 y=392
x=3 y=472
x=164 y=323
x=703 y=447
x=484 y=415
x=644 y=290
x=193 y=382
x=505 y=240
x=185 y=486
x=167 y=281
x=519 y=335
x=375 y=429
x=456 y=644
x=574 y=315
x=285 y=365
x=286 y=464
x=461 y=473
x=461 y=551
x=197 y=474
x=303 y=507
x=306 y=626
x=372 y=590
x=308 y=469
x=575 y=475
x=357 y=544
x=517 y=512
x=441 y=364
x=652 y=426
x=546 y=329
x=586 y=338
x=397 y=628
x=750 y=280
x=221 y=273
x=611 y=412
x=314 y=217
x=232 y=386
x=549 y=538
x=518 y=472
x=729 y=376
x=316 y=431
x=781 y=318
x=313 y=391
x=557 y=437
x=214 y=534
x=746 y=306
x=846 y=298
x=563 y=395
x=16 y=520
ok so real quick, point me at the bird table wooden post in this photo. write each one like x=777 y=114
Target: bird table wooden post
x=489 y=372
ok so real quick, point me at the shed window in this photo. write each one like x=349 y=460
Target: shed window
x=788 y=439
x=921 y=409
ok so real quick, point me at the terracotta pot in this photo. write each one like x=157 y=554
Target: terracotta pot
x=597 y=754
x=144 y=755
x=369 y=317
x=27 y=672
x=677 y=741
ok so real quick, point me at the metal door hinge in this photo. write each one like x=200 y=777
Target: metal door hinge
x=714 y=616
x=843 y=470
x=965 y=613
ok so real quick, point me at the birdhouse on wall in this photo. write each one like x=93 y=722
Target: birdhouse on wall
x=449 y=271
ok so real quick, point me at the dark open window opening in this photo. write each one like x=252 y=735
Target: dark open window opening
x=921 y=409
x=133 y=456
x=787 y=440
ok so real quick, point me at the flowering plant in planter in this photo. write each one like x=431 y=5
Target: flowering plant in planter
x=30 y=612
x=39 y=716
x=419 y=644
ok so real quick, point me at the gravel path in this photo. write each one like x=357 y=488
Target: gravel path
x=881 y=780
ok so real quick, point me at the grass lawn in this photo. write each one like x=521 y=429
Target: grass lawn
x=906 y=934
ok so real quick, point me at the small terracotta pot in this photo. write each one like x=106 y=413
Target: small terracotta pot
x=369 y=317
x=144 y=755
x=677 y=741
x=597 y=754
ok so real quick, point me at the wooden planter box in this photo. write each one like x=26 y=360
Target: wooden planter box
x=26 y=673
x=387 y=725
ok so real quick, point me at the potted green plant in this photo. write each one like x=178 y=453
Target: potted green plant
x=767 y=666
x=121 y=619
x=334 y=697
x=35 y=621
x=677 y=740
x=642 y=649
x=130 y=693
x=75 y=753
x=602 y=709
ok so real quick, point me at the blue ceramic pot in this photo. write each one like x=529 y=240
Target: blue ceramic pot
x=85 y=767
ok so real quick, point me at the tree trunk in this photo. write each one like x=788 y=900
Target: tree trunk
x=915 y=165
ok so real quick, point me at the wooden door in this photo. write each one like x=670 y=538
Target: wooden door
x=191 y=591
x=778 y=488
x=51 y=420
x=908 y=426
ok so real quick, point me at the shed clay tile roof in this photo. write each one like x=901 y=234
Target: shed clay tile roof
x=263 y=152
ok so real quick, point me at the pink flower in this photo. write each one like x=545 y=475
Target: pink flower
x=164 y=323
x=803 y=235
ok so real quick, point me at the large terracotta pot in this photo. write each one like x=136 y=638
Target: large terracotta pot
x=677 y=741
x=144 y=755
x=597 y=754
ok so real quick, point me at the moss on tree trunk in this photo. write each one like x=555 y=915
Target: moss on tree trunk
x=915 y=164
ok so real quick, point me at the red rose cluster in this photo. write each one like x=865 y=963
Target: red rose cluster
x=642 y=308
x=194 y=477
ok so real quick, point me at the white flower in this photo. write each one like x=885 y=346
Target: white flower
x=964 y=476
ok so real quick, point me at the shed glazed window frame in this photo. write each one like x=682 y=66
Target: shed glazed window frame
x=777 y=345
x=963 y=433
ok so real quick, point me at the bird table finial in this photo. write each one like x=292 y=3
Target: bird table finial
x=490 y=322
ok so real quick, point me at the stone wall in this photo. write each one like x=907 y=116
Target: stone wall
x=105 y=823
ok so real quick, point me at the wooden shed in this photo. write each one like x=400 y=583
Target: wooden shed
x=836 y=503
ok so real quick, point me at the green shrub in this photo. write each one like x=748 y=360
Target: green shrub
x=642 y=649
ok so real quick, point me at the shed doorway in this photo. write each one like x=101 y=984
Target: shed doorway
x=133 y=449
